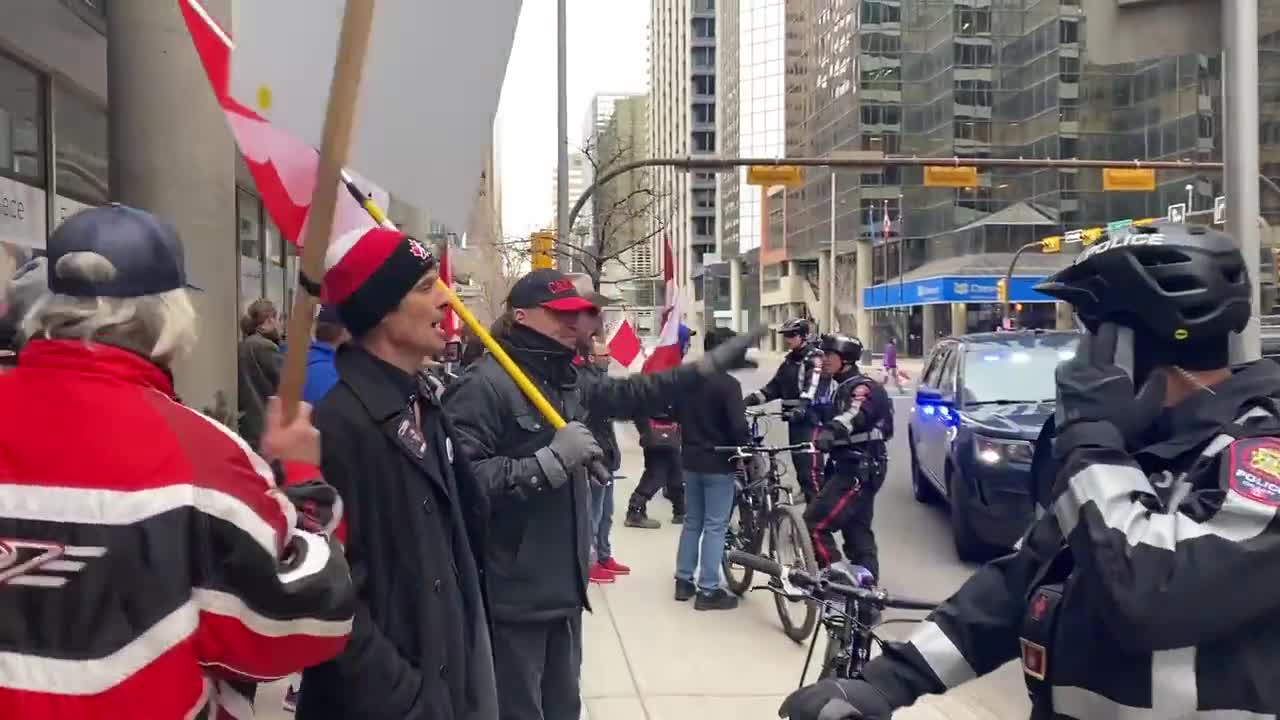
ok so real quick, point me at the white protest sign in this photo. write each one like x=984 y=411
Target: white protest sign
x=432 y=80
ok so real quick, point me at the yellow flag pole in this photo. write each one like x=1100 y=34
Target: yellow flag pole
x=521 y=380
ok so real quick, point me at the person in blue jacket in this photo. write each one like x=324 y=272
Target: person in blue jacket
x=321 y=373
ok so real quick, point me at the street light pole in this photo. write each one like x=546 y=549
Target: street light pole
x=563 y=218
x=831 y=271
x=1240 y=101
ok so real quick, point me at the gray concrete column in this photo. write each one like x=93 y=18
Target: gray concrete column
x=959 y=318
x=863 y=277
x=826 y=320
x=735 y=295
x=172 y=154
x=1062 y=317
x=928 y=327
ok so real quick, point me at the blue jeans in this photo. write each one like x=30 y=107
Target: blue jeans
x=708 y=503
x=601 y=521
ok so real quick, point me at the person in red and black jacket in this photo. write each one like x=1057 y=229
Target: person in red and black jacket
x=148 y=558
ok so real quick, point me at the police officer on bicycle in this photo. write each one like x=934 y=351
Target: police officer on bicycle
x=796 y=383
x=1150 y=584
x=854 y=428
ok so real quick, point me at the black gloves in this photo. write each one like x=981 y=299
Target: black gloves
x=1097 y=404
x=755 y=398
x=836 y=700
x=730 y=354
x=825 y=441
x=572 y=447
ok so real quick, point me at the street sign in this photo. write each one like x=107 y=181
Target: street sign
x=1177 y=213
x=1128 y=179
x=1220 y=210
x=1051 y=244
x=770 y=175
x=541 y=246
x=952 y=176
x=1118 y=225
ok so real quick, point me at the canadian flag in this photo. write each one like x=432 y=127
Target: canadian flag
x=667 y=354
x=450 y=322
x=624 y=345
x=283 y=167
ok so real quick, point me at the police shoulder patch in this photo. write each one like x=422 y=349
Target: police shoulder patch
x=1253 y=469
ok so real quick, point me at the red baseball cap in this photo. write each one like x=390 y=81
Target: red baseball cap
x=548 y=288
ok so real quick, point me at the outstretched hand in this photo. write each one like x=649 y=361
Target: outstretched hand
x=1096 y=386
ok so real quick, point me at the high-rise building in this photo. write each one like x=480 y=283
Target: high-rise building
x=970 y=78
x=682 y=122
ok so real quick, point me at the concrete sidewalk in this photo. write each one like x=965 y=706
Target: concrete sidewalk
x=647 y=657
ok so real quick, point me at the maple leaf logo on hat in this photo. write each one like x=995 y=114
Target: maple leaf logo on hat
x=418 y=250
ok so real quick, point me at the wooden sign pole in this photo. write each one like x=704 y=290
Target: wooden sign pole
x=339 y=121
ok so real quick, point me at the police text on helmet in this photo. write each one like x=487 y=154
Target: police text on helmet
x=1130 y=240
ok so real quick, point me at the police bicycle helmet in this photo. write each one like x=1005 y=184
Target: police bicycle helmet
x=1171 y=283
x=797 y=326
x=848 y=348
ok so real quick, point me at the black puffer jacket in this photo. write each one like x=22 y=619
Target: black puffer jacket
x=540 y=540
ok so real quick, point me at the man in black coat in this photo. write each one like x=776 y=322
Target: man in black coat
x=537 y=481
x=420 y=648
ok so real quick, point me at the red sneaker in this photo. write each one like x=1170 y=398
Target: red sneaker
x=615 y=567
x=600 y=575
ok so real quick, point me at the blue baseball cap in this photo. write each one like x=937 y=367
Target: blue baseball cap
x=144 y=250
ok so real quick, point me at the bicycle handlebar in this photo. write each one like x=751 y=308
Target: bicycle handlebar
x=761 y=412
x=748 y=450
x=805 y=581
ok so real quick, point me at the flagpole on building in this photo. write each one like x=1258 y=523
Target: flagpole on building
x=562 y=123
x=339 y=122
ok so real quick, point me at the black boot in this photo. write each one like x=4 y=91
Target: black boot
x=717 y=599
x=685 y=589
x=637 y=518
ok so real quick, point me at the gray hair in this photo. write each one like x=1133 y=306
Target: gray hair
x=160 y=327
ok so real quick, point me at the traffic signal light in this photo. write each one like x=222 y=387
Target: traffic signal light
x=1051 y=244
x=1002 y=290
x=1091 y=236
x=541 y=247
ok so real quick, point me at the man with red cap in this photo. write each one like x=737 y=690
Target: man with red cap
x=537 y=481
x=420 y=646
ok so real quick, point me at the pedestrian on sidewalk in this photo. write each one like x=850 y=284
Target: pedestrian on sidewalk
x=713 y=415
x=181 y=563
x=604 y=567
x=660 y=442
x=536 y=477
x=890 y=361
x=259 y=364
x=417 y=522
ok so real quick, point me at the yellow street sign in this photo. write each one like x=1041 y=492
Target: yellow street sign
x=952 y=176
x=1051 y=244
x=541 y=249
x=1128 y=179
x=770 y=175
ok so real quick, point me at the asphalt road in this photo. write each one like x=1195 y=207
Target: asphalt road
x=648 y=658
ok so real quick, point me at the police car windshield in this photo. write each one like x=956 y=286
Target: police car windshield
x=1017 y=371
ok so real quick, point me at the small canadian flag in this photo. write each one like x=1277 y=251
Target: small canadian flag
x=624 y=345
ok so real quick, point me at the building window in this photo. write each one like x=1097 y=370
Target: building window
x=704 y=28
x=704 y=84
x=704 y=57
x=704 y=227
x=704 y=141
x=80 y=138
x=22 y=123
x=249 y=235
x=704 y=112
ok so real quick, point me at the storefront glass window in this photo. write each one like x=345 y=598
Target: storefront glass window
x=249 y=226
x=274 y=267
x=80 y=136
x=22 y=122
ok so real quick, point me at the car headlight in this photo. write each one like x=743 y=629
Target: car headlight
x=992 y=451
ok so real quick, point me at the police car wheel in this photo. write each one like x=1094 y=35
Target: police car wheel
x=921 y=489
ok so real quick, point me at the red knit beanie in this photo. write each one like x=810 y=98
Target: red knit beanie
x=368 y=272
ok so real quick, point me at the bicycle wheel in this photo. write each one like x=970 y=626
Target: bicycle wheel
x=743 y=535
x=789 y=544
x=831 y=667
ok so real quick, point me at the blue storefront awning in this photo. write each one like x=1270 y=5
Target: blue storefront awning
x=951 y=289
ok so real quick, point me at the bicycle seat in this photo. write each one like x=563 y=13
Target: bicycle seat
x=847 y=573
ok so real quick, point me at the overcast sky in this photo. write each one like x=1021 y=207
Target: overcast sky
x=608 y=52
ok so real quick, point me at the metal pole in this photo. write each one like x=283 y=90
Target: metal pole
x=1008 y=280
x=1190 y=197
x=1240 y=105
x=721 y=164
x=563 y=217
x=831 y=271
x=902 y=239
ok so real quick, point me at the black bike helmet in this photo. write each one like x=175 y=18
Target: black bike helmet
x=1173 y=283
x=795 y=326
x=848 y=348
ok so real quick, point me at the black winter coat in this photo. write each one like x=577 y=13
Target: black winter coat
x=420 y=646
x=541 y=538
x=602 y=425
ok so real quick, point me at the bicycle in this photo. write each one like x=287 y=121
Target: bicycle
x=850 y=602
x=765 y=507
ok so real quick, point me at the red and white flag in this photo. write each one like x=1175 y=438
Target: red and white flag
x=624 y=345
x=450 y=322
x=283 y=167
x=667 y=354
